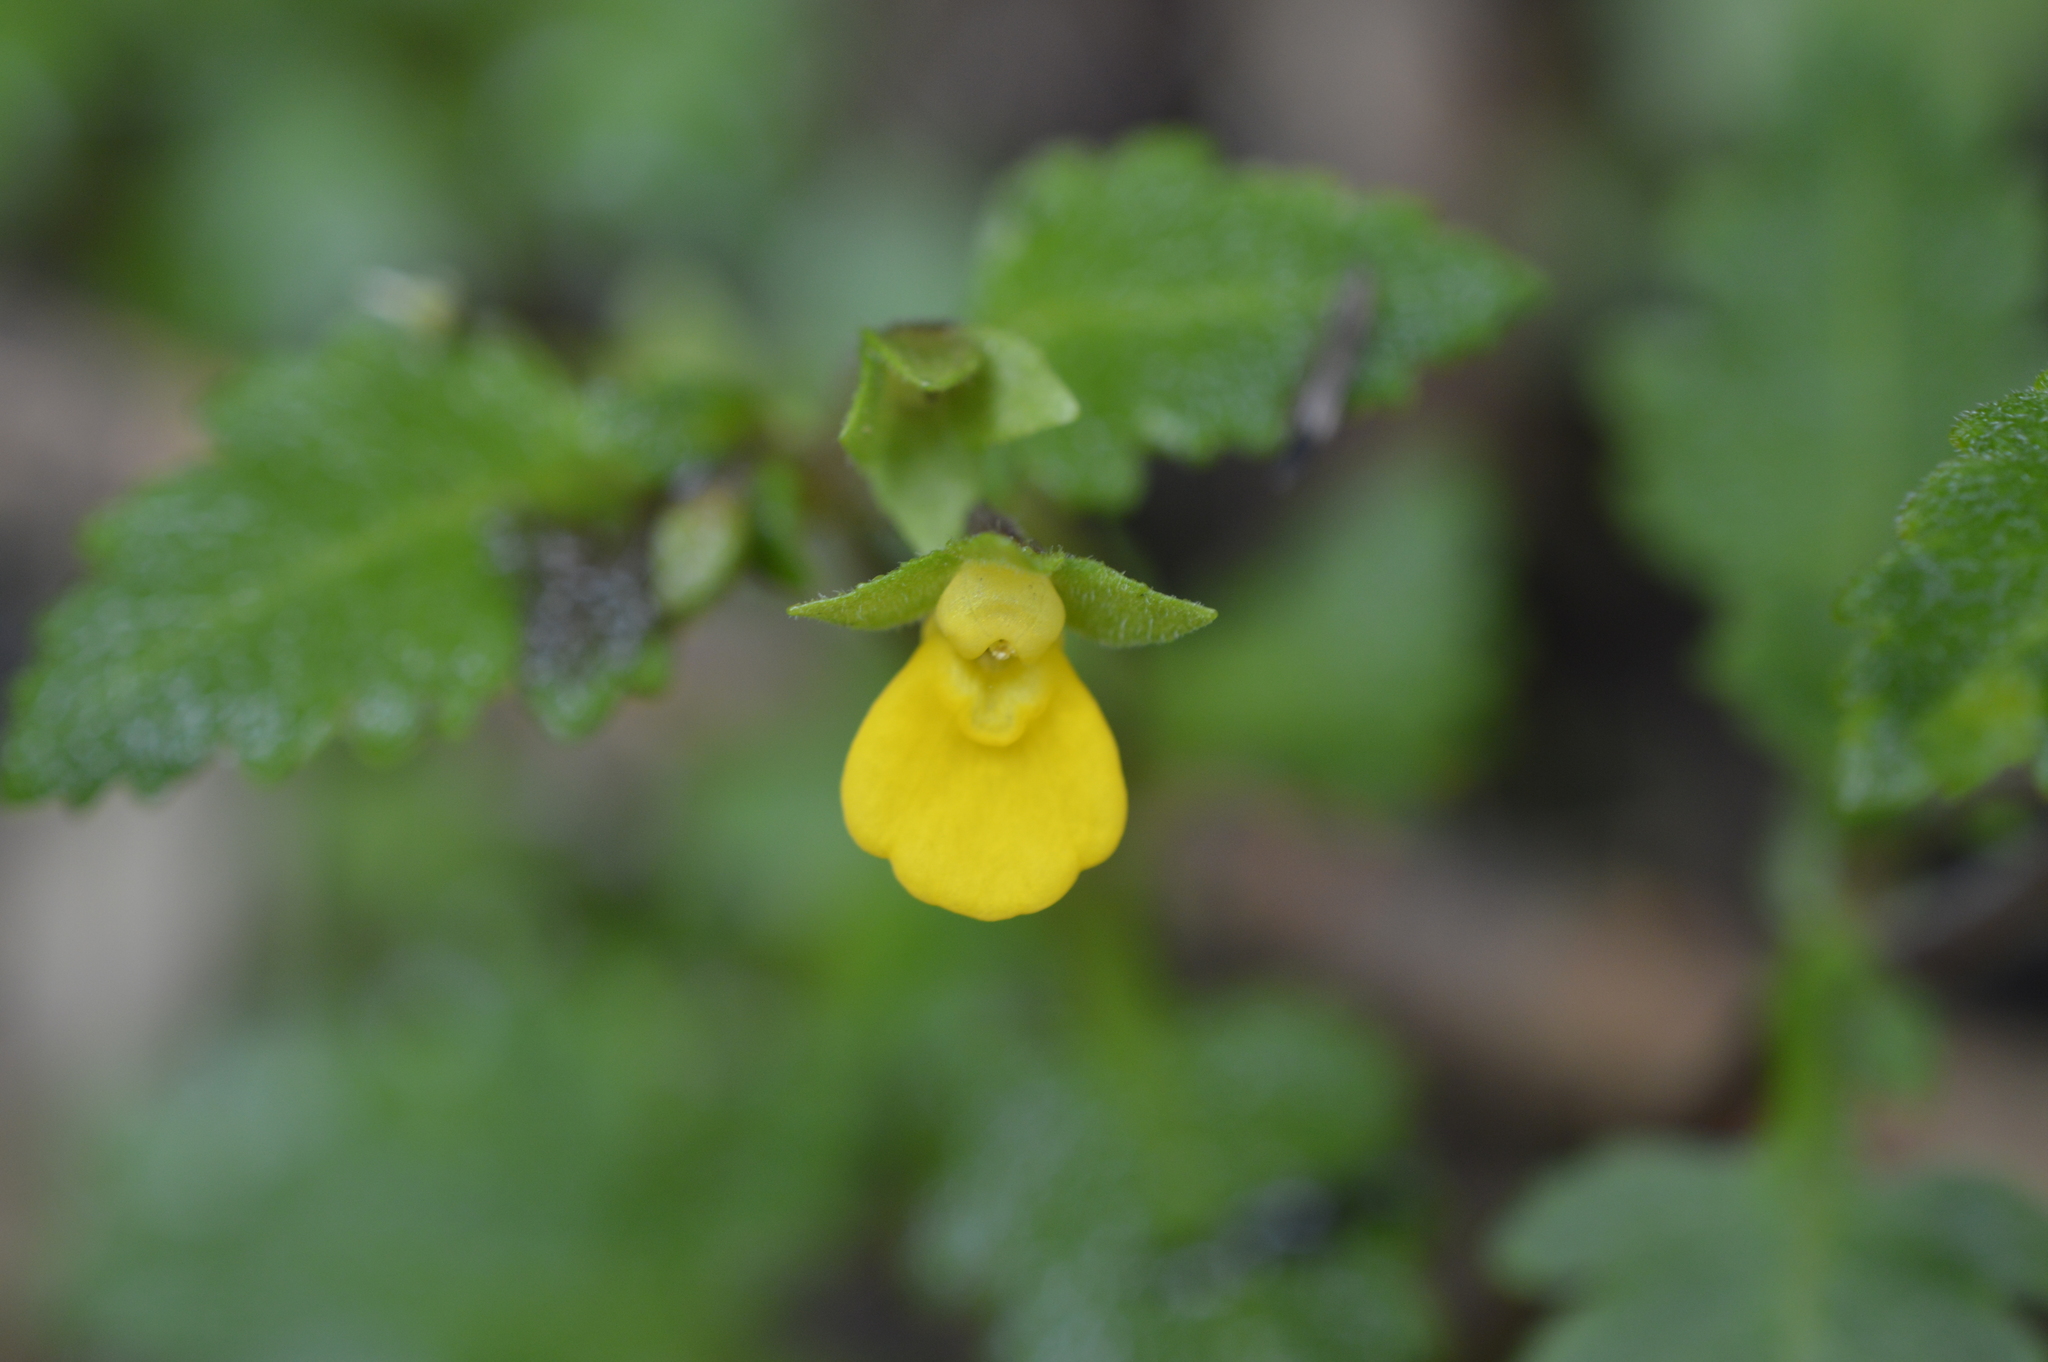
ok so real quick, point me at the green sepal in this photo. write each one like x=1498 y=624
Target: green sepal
x=1102 y=604
x=900 y=596
x=933 y=400
x=1111 y=609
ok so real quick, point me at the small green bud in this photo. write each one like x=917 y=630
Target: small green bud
x=698 y=546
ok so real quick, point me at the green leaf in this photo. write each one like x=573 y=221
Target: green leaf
x=329 y=573
x=1368 y=654
x=1177 y=1205
x=1850 y=287
x=1181 y=300
x=1691 y=1254
x=903 y=595
x=1102 y=604
x=932 y=401
x=1112 y=609
x=1944 y=689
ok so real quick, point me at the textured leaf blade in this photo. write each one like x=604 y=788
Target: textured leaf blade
x=1944 y=688
x=1181 y=300
x=901 y=596
x=1109 y=608
x=327 y=574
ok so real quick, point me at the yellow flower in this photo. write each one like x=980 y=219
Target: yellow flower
x=984 y=773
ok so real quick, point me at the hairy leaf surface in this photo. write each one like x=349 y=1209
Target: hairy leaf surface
x=330 y=572
x=1945 y=685
x=1181 y=300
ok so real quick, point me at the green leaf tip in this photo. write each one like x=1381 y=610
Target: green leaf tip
x=1118 y=612
x=1102 y=604
x=934 y=399
x=1944 y=686
x=1182 y=299
x=336 y=570
x=930 y=356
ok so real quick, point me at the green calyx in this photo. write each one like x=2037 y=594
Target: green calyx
x=1102 y=604
x=934 y=400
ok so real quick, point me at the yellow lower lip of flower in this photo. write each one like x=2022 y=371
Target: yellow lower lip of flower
x=983 y=830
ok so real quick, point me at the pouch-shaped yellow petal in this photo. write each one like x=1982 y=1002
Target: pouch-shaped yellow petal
x=988 y=831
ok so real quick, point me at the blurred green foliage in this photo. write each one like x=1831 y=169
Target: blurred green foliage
x=494 y=1095
x=521 y=1103
x=1692 y=76
x=1178 y=1193
x=624 y=1161
x=1699 y=1254
x=1847 y=286
x=273 y=151
x=1860 y=258
x=1364 y=655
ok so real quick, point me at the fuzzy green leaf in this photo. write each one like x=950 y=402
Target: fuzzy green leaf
x=900 y=596
x=1854 y=285
x=1109 y=608
x=1945 y=687
x=329 y=573
x=1181 y=300
x=1689 y=1254
x=1102 y=604
x=932 y=402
